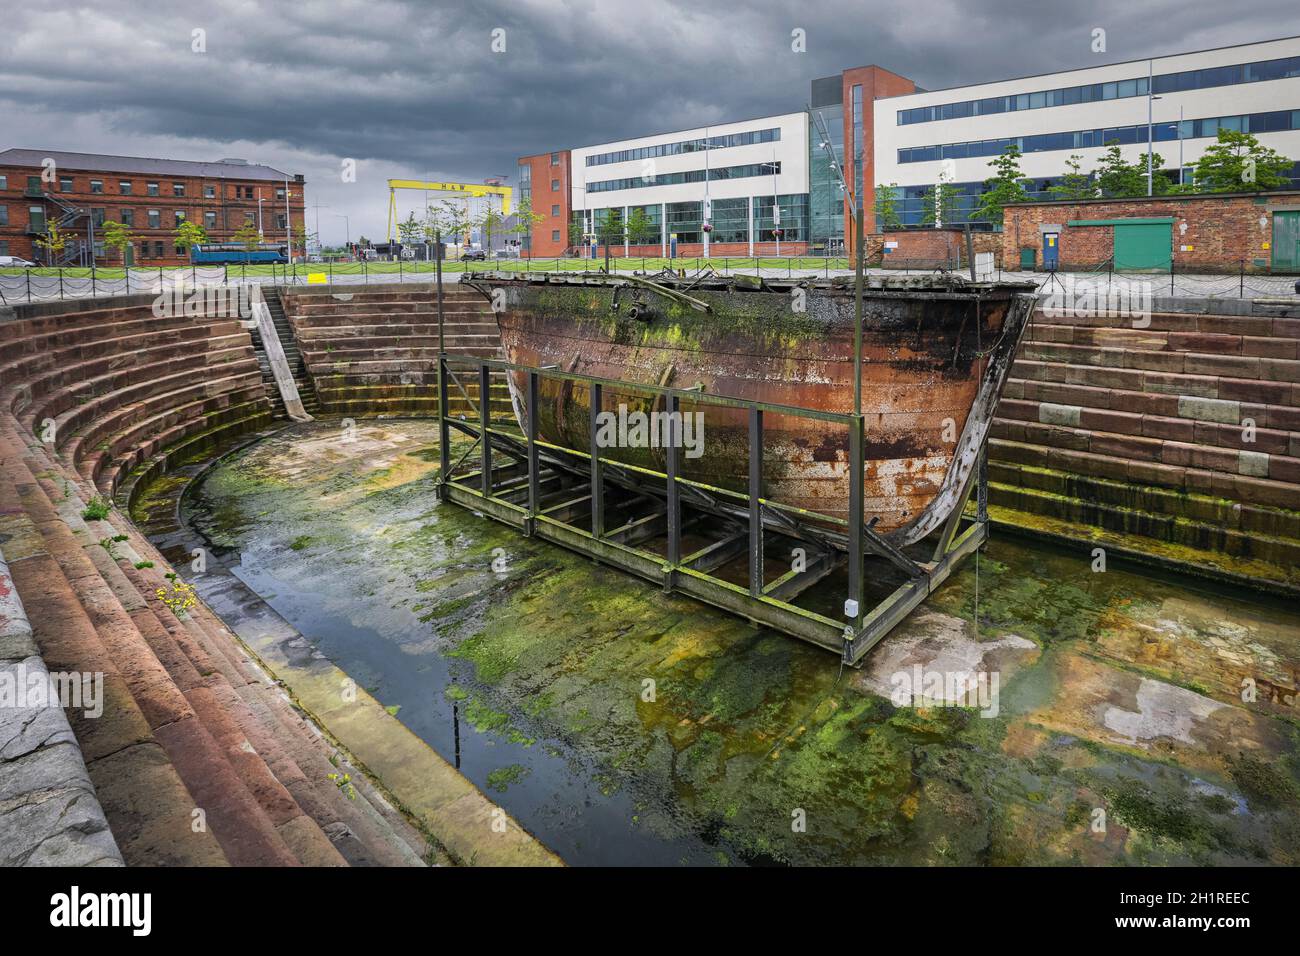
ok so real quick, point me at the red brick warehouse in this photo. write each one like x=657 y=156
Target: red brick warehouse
x=80 y=191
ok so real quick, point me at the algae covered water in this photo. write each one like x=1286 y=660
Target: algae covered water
x=623 y=725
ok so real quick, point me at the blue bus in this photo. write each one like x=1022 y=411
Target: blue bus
x=235 y=253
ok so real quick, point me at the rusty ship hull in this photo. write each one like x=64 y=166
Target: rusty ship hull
x=935 y=354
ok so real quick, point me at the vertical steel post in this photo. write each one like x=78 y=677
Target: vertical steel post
x=444 y=431
x=856 y=481
x=982 y=491
x=534 y=492
x=597 y=480
x=755 y=492
x=485 y=422
x=674 y=504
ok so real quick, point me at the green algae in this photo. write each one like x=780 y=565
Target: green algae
x=501 y=779
x=747 y=740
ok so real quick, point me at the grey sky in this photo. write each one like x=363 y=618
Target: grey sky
x=414 y=90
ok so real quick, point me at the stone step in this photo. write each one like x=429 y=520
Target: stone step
x=1253 y=325
x=1153 y=340
x=1226 y=388
x=1186 y=362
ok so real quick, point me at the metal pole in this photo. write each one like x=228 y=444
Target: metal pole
x=444 y=433
x=597 y=480
x=857 y=313
x=484 y=424
x=674 y=505
x=1149 y=130
x=534 y=402
x=755 y=492
x=856 y=491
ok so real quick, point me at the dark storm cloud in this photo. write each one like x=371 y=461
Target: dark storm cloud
x=416 y=90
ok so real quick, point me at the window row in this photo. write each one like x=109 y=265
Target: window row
x=689 y=176
x=1272 y=122
x=127 y=187
x=1094 y=92
x=685 y=146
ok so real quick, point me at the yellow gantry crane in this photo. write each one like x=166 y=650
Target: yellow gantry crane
x=475 y=190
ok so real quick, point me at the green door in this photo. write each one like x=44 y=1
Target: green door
x=1144 y=245
x=1286 y=240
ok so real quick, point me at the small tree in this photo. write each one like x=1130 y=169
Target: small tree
x=491 y=221
x=118 y=236
x=1237 y=162
x=53 y=241
x=886 y=207
x=641 y=229
x=525 y=219
x=575 y=234
x=939 y=204
x=610 y=229
x=1075 y=184
x=302 y=238
x=248 y=236
x=410 y=231
x=451 y=219
x=1005 y=186
x=188 y=235
x=1119 y=179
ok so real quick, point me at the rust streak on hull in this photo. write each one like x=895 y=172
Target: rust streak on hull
x=932 y=353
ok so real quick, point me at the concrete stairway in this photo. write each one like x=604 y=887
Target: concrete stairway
x=1185 y=432
x=373 y=350
x=198 y=758
x=289 y=343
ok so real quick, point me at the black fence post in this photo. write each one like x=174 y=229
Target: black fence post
x=534 y=488
x=674 y=504
x=1241 y=292
x=755 y=492
x=60 y=282
x=485 y=422
x=856 y=504
x=597 y=479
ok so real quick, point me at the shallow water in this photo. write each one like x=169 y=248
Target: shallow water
x=623 y=725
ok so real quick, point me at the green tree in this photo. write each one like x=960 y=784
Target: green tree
x=525 y=219
x=886 y=207
x=1075 y=184
x=188 y=235
x=575 y=233
x=1119 y=179
x=1237 y=162
x=641 y=229
x=1005 y=186
x=53 y=241
x=248 y=236
x=303 y=239
x=609 y=230
x=939 y=204
x=490 y=222
x=450 y=219
x=117 y=236
x=410 y=231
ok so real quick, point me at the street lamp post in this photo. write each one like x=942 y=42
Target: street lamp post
x=1150 y=98
x=347 y=227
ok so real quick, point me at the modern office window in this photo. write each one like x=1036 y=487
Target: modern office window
x=178 y=189
x=97 y=186
x=124 y=187
x=151 y=189
x=155 y=218
x=1208 y=78
x=730 y=220
x=689 y=176
x=685 y=220
x=1270 y=122
x=686 y=146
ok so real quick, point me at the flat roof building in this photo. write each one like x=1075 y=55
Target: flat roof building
x=882 y=131
x=80 y=191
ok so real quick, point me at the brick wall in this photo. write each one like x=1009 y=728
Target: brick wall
x=549 y=237
x=1210 y=233
x=234 y=200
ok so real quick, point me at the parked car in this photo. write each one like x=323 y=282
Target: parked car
x=15 y=262
x=475 y=255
